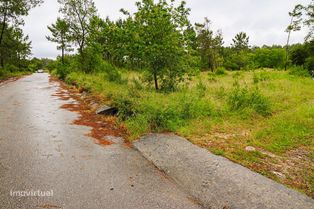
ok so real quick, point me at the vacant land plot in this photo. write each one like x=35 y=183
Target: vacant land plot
x=263 y=120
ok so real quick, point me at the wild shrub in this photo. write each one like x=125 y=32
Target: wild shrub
x=220 y=71
x=164 y=118
x=269 y=57
x=212 y=77
x=255 y=78
x=309 y=65
x=62 y=71
x=221 y=93
x=171 y=116
x=137 y=84
x=237 y=61
x=260 y=77
x=91 y=59
x=191 y=107
x=201 y=89
x=3 y=73
x=244 y=98
x=112 y=74
x=299 y=71
x=237 y=75
x=125 y=105
x=165 y=115
x=11 y=68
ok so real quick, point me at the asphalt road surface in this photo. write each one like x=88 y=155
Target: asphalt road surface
x=41 y=151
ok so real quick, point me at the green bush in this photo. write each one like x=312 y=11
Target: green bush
x=3 y=73
x=220 y=71
x=125 y=105
x=11 y=68
x=299 y=71
x=269 y=57
x=112 y=73
x=309 y=65
x=212 y=77
x=237 y=61
x=243 y=98
x=260 y=77
x=201 y=89
x=137 y=84
x=158 y=115
x=62 y=72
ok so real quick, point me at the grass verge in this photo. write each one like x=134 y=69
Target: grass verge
x=270 y=112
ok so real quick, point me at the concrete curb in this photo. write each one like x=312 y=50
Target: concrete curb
x=215 y=181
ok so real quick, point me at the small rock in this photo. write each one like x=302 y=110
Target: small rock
x=250 y=149
x=269 y=154
x=280 y=175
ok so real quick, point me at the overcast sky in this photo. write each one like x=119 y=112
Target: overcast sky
x=263 y=20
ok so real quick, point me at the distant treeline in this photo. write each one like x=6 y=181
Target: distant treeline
x=15 y=47
x=157 y=39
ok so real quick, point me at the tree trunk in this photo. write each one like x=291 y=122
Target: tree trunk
x=156 y=81
x=287 y=46
x=62 y=56
x=1 y=61
x=82 y=57
x=1 y=36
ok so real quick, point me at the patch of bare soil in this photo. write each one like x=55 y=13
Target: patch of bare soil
x=293 y=168
x=101 y=126
x=297 y=169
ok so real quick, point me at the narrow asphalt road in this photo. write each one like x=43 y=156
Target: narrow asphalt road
x=41 y=150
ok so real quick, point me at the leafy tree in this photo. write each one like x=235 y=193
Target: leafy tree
x=269 y=57
x=78 y=14
x=190 y=38
x=11 y=13
x=159 y=40
x=293 y=26
x=209 y=45
x=309 y=62
x=113 y=38
x=241 y=41
x=237 y=57
x=15 y=47
x=236 y=60
x=60 y=35
x=299 y=54
x=309 y=21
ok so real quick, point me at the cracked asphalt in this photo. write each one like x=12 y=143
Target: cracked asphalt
x=41 y=150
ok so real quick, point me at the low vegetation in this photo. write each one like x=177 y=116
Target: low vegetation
x=236 y=101
x=15 y=46
x=165 y=74
x=269 y=110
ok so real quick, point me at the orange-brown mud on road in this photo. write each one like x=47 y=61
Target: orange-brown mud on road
x=102 y=126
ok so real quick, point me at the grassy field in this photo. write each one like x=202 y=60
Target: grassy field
x=263 y=120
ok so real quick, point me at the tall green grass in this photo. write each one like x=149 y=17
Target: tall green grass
x=271 y=110
x=145 y=110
